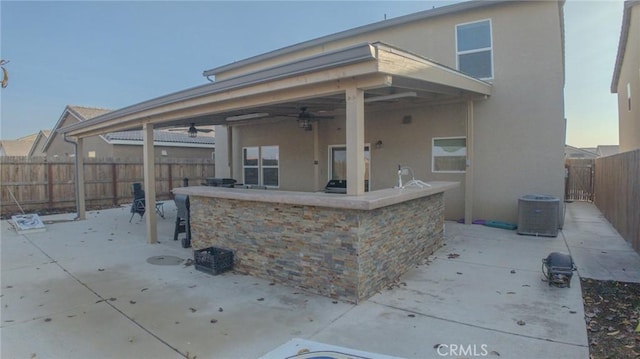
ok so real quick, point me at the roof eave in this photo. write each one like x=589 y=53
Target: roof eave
x=351 y=55
x=622 y=44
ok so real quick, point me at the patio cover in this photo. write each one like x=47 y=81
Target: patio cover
x=347 y=78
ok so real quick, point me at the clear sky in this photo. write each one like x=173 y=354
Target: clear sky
x=114 y=54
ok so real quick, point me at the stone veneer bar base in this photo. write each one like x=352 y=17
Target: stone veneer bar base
x=342 y=253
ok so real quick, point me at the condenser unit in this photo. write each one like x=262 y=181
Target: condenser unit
x=538 y=215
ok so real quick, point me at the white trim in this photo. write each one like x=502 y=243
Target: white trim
x=490 y=48
x=164 y=144
x=433 y=140
x=391 y=97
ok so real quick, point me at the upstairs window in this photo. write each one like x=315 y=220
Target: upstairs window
x=474 y=49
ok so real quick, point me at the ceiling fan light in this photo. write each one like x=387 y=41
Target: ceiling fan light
x=304 y=122
x=193 y=131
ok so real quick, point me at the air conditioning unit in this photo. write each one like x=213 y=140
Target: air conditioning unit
x=538 y=215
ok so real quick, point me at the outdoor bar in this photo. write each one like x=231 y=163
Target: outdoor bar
x=341 y=246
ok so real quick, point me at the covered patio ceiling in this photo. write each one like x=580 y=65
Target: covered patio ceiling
x=386 y=74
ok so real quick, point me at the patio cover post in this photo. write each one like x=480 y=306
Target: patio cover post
x=468 y=176
x=355 y=141
x=149 y=183
x=80 y=179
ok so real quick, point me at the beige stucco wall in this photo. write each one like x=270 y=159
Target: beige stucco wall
x=135 y=151
x=519 y=131
x=405 y=144
x=629 y=120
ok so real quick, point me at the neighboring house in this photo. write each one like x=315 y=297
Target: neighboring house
x=590 y=152
x=23 y=146
x=575 y=152
x=38 y=144
x=471 y=92
x=607 y=150
x=626 y=78
x=124 y=144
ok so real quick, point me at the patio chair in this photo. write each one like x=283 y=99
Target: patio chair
x=139 y=205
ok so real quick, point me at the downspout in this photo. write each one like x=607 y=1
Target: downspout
x=77 y=172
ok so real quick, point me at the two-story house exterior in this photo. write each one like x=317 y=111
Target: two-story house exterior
x=626 y=78
x=471 y=92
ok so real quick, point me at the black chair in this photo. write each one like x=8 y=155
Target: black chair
x=139 y=205
x=183 y=219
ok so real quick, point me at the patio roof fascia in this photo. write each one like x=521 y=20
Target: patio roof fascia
x=367 y=65
x=405 y=64
x=346 y=56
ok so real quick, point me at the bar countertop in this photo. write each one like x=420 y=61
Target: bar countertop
x=367 y=201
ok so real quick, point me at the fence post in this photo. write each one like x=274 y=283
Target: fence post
x=170 y=178
x=50 y=183
x=114 y=183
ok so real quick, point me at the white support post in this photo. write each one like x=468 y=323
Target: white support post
x=355 y=141
x=222 y=161
x=316 y=158
x=150 y=183
x=468 y=176
x=80 y=179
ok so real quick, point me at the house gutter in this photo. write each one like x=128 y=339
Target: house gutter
x=77 y=172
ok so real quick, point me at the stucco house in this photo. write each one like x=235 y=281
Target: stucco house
x=25 y=146
x=469 y=93
x=124 y=144
x=581 y=153
x=626 y=78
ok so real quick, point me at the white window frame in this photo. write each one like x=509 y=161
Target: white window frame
x=330 y=163
x=260 y=166
x=490 y=48
x=433 y=157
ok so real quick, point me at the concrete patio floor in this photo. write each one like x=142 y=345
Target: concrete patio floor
x=84 y=289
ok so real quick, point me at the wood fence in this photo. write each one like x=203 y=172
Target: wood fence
x=40 y=184
x=617 y=193
x=579 y=180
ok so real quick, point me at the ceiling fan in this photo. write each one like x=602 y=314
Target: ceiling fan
x=192 y=131
x=305 y=117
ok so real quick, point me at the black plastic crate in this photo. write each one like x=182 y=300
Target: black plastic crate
x=213 y=260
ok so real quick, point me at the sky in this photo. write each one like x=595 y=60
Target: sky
x=110 y=54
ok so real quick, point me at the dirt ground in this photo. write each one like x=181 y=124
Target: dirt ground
x=612 y=314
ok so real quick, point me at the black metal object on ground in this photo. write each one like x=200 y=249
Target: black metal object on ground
x=213 y=260
x=558 y=269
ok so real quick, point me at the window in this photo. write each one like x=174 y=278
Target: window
x=163 y=152
x=261 y=166
x=474 y=49
x=449 y=154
